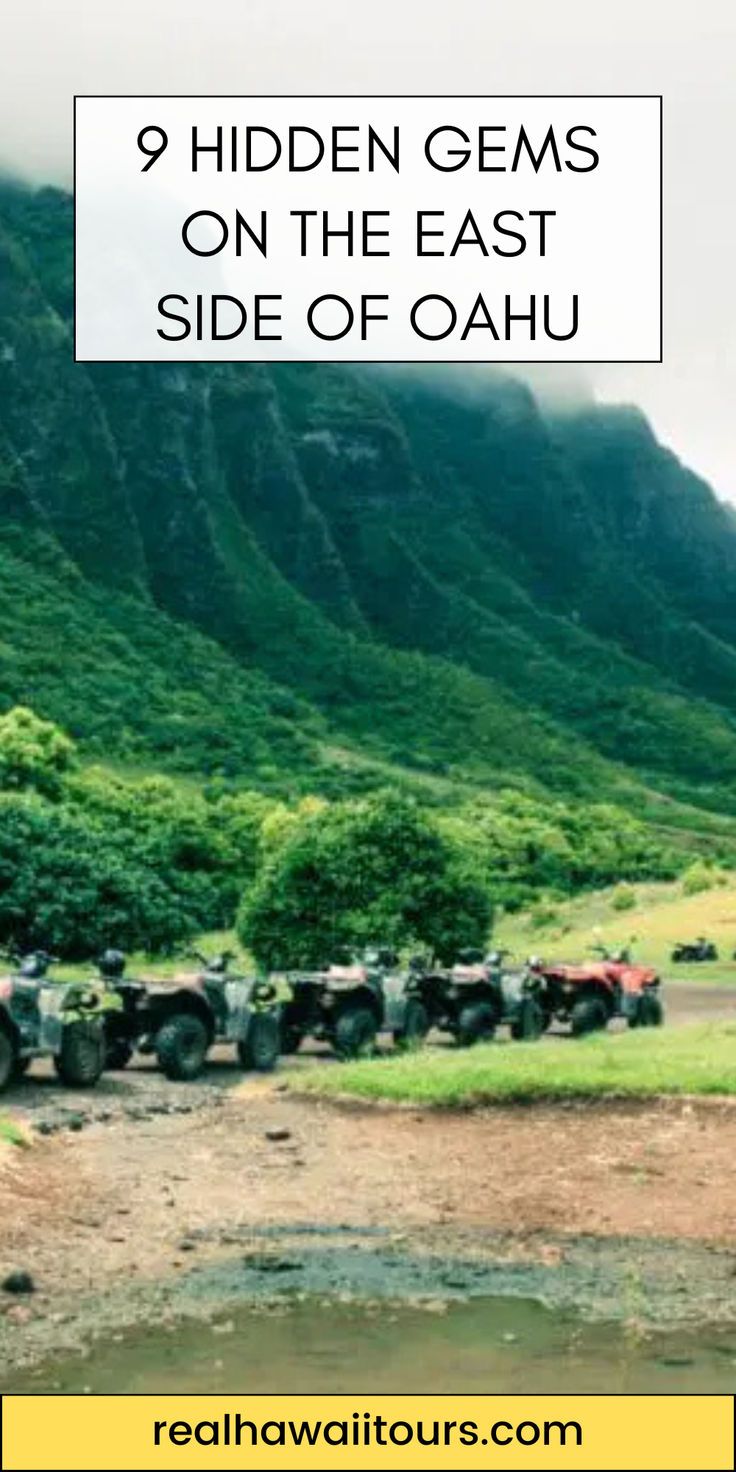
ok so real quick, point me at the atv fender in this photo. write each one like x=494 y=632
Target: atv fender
x=339 y=1000
x=164 y=1002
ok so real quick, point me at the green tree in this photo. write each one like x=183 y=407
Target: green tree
x=69 y=886
x=33 y=752
x=361 y=871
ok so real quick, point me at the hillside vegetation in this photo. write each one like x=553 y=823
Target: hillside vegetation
x=652 y=919
x=315 y=581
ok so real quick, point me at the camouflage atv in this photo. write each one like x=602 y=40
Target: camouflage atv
x=45 y=1019
x=180 y=1020
x=476 y=995
x=350 y=1001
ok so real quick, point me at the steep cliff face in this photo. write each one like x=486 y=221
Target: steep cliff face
x=434 y=573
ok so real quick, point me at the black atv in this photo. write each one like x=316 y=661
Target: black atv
x=45 y=1019
x=473 y=997
x=350 y=1001
x=694 y=950
x=180 y=1020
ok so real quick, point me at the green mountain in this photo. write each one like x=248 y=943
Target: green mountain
x=307 y=572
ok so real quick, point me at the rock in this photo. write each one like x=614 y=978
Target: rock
x=18 y=1282
x=279 y=1133
x=18 y=1314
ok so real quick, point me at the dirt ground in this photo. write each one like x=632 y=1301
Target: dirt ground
x=130 y=1190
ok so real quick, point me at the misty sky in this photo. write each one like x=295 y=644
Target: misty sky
x=49 y=51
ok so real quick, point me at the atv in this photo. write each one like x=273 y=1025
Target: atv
x=180 y=1020
x=45 y=1019
x=477 y=994
x=695 y=950
x=589 y=995
x=350 y=1001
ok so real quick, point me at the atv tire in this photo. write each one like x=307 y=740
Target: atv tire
x=82 y=1056
x=291 y=1038
x=8 y=1059
x=355 y=1033
x=416 y=1026
x=528 y=1024
x=118 y=1054
x=476 y=1024
x=181 y=1045
x=587 y=1015
x=259 y=1049
x=649 y=1012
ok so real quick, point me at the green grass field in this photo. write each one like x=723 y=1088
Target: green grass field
x=662 y=915
x=699 y=1059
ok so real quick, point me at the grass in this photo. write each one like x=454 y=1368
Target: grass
x=662 y=915
x=699 y=1059
x=11 y=1133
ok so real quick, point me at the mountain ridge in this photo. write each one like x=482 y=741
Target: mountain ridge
x=449 y=579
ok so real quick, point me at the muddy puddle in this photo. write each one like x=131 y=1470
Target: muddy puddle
x=491 y=1344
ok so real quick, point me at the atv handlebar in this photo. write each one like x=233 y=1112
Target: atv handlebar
x=219 y=962
x=38 y=960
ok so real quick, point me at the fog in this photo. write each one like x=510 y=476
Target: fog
x=48 y=52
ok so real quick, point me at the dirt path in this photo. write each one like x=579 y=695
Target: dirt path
x=696 y=1001
x=138 y=1198
x=148 y=1212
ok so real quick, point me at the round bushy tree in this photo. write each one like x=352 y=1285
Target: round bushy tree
x=372 y=870
x=33 y=752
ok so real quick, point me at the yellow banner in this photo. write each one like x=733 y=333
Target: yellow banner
x=131 y=1432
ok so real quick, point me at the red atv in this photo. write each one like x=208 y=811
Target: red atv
x=589 y=995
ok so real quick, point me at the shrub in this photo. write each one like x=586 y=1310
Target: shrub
x=69 y=887
x=624 y=897
x=699 y=877
x=33 y=753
